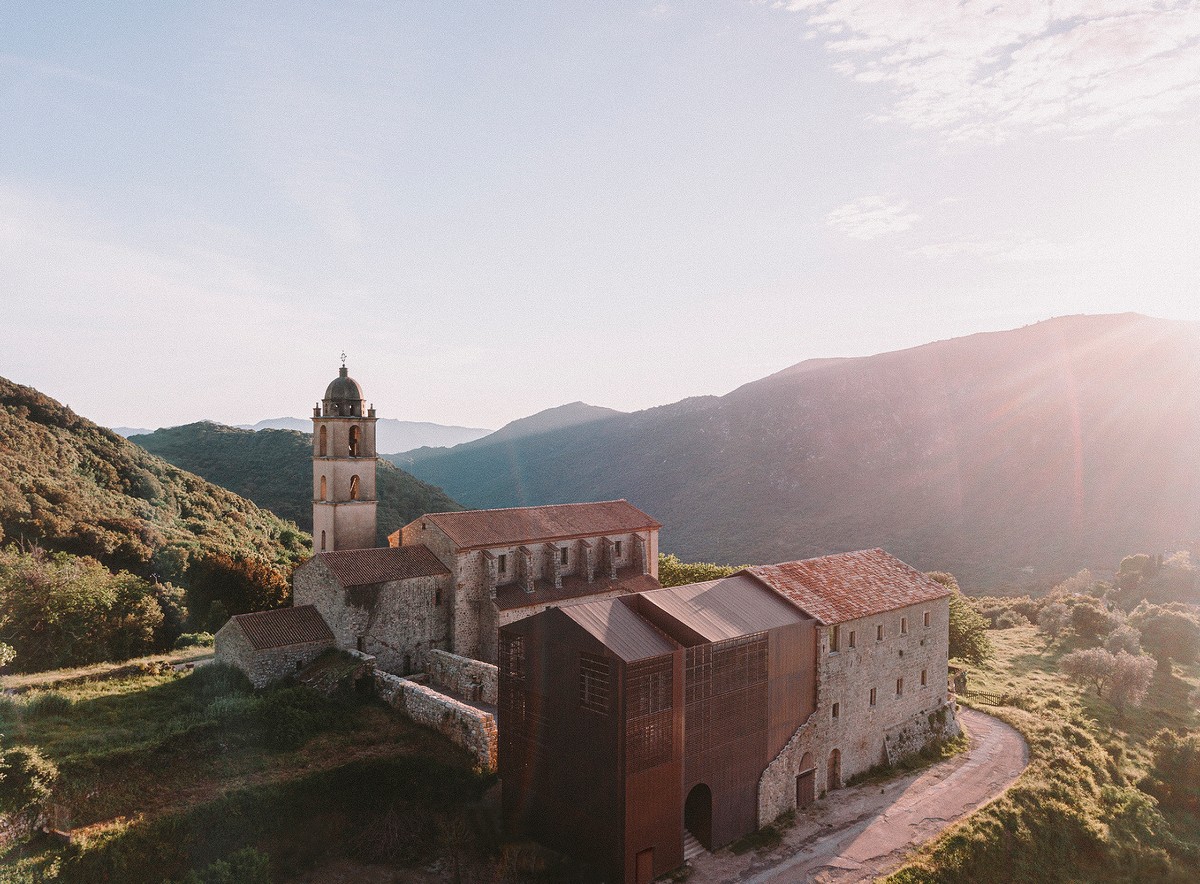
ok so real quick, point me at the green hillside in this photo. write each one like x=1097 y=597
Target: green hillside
x=67 y=484
x=273 y=468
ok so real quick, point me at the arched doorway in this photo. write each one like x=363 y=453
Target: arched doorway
x=697 y=814
x=833 y=773
x=806 y=782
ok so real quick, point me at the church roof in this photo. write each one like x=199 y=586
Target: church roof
x=849 y=585
x=476 y=529
x=362 y=567
x=283 y=626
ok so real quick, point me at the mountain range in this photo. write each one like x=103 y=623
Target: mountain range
x=391 y=435
x=1006 y=457
x=273 y=468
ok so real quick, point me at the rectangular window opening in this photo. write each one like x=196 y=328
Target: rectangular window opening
x=834 y=638
x=437 y=596
x=927 y=618
x=922 y=678
x=617 y=546
x=562 y=555
x=851 y=638
x=593 y=682
x=879 y=633
x=899 y=687
x=904 y=626
x=503 y=567
x=836 y=709
x=872 y=696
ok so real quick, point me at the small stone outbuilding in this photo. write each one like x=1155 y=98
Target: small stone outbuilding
x=270 y=645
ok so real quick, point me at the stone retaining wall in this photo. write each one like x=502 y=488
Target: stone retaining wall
x=468 y=678
x=472 y=729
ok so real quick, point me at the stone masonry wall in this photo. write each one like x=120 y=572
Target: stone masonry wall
x=468 y=678
x=263 y=667
x=467 y=727
x=864 y=735
x=514 y=614
x=399 y=622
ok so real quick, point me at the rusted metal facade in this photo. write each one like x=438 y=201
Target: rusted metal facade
x=699 y=703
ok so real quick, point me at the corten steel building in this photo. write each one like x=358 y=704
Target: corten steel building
x=630 y=725
x=625 y=720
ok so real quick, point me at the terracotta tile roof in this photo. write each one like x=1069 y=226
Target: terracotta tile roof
x=284 y=626
x=361 y=567
x=534 y=524
x=849 y=585
x=513 y=596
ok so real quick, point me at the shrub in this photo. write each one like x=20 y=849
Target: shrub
x=1053 y=619
x=968 y=629
x=673 y=572
x=1174 y=777
x=43 y=704
x=1130 y=679
x=1010 y=619
x=246 y=866
x=1092 y=620
x=26 y=782
x=1168 y=632
x=217 y=680
x=1124 y=638
x=194 y=640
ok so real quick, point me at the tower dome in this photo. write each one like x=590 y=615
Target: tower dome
x=343 y=396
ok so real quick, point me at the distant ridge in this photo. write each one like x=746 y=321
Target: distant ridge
x=391 y=435
x=1006 y=457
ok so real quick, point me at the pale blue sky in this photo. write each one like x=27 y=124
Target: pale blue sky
x=499 y=209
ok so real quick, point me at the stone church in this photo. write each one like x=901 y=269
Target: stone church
x=446 y=581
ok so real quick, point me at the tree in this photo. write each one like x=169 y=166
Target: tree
x=1124 y=638
x=1054 y=618
x=1090 y=666
x=673 y=572
x=968 y=628
x=1167 y=632
x=26 y=782
x=7 y=654
x=1130 y=679
x=1091 y=620
x=1174 y=778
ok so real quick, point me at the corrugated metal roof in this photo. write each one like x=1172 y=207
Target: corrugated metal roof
x=360 y=567
x=620 y=630
x=723 y=609
x=536 y=524
x=284 y=626
x=513 y=596
x=850 y=585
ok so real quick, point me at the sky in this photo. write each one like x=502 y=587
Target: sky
x=498 y=209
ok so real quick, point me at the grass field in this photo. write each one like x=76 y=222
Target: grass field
x=1076 y=813
x=168 y=757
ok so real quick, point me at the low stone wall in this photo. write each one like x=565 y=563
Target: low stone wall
x=472 y=729
x=468 y=678
x=913 y=735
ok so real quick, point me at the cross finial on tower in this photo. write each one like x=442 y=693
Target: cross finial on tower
x=343 y=359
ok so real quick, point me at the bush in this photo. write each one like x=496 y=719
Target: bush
x=194 y=640
x=968 y=629
x=217 y=680
x=1010 y=619
x=1174 y=778
x=1168 y=632
x=26 y=782
x=43 y=704
x=1124 y=638
x=1054 y=619
x=246 y=866
x=673 y=572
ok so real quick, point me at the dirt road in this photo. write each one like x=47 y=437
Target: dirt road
x=861 y=833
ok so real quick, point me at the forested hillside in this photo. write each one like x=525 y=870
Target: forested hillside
x=1007 y=457
x=273 y=468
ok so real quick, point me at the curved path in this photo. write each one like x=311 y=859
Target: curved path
x=860 y=833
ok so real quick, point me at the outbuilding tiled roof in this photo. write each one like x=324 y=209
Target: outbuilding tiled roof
x=284 y=626
x=361 y=567
x=850 y=585
x=476 y=529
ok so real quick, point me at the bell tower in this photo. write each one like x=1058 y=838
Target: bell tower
x=343 y=468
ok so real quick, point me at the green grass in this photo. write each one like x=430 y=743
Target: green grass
x=1075 y=813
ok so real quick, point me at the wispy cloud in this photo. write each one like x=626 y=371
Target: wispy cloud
x=871 y=217
x=985 y=69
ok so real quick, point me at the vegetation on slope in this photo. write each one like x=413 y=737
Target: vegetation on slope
x=1077 y=813
x=69 y=485
x=273 y=468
